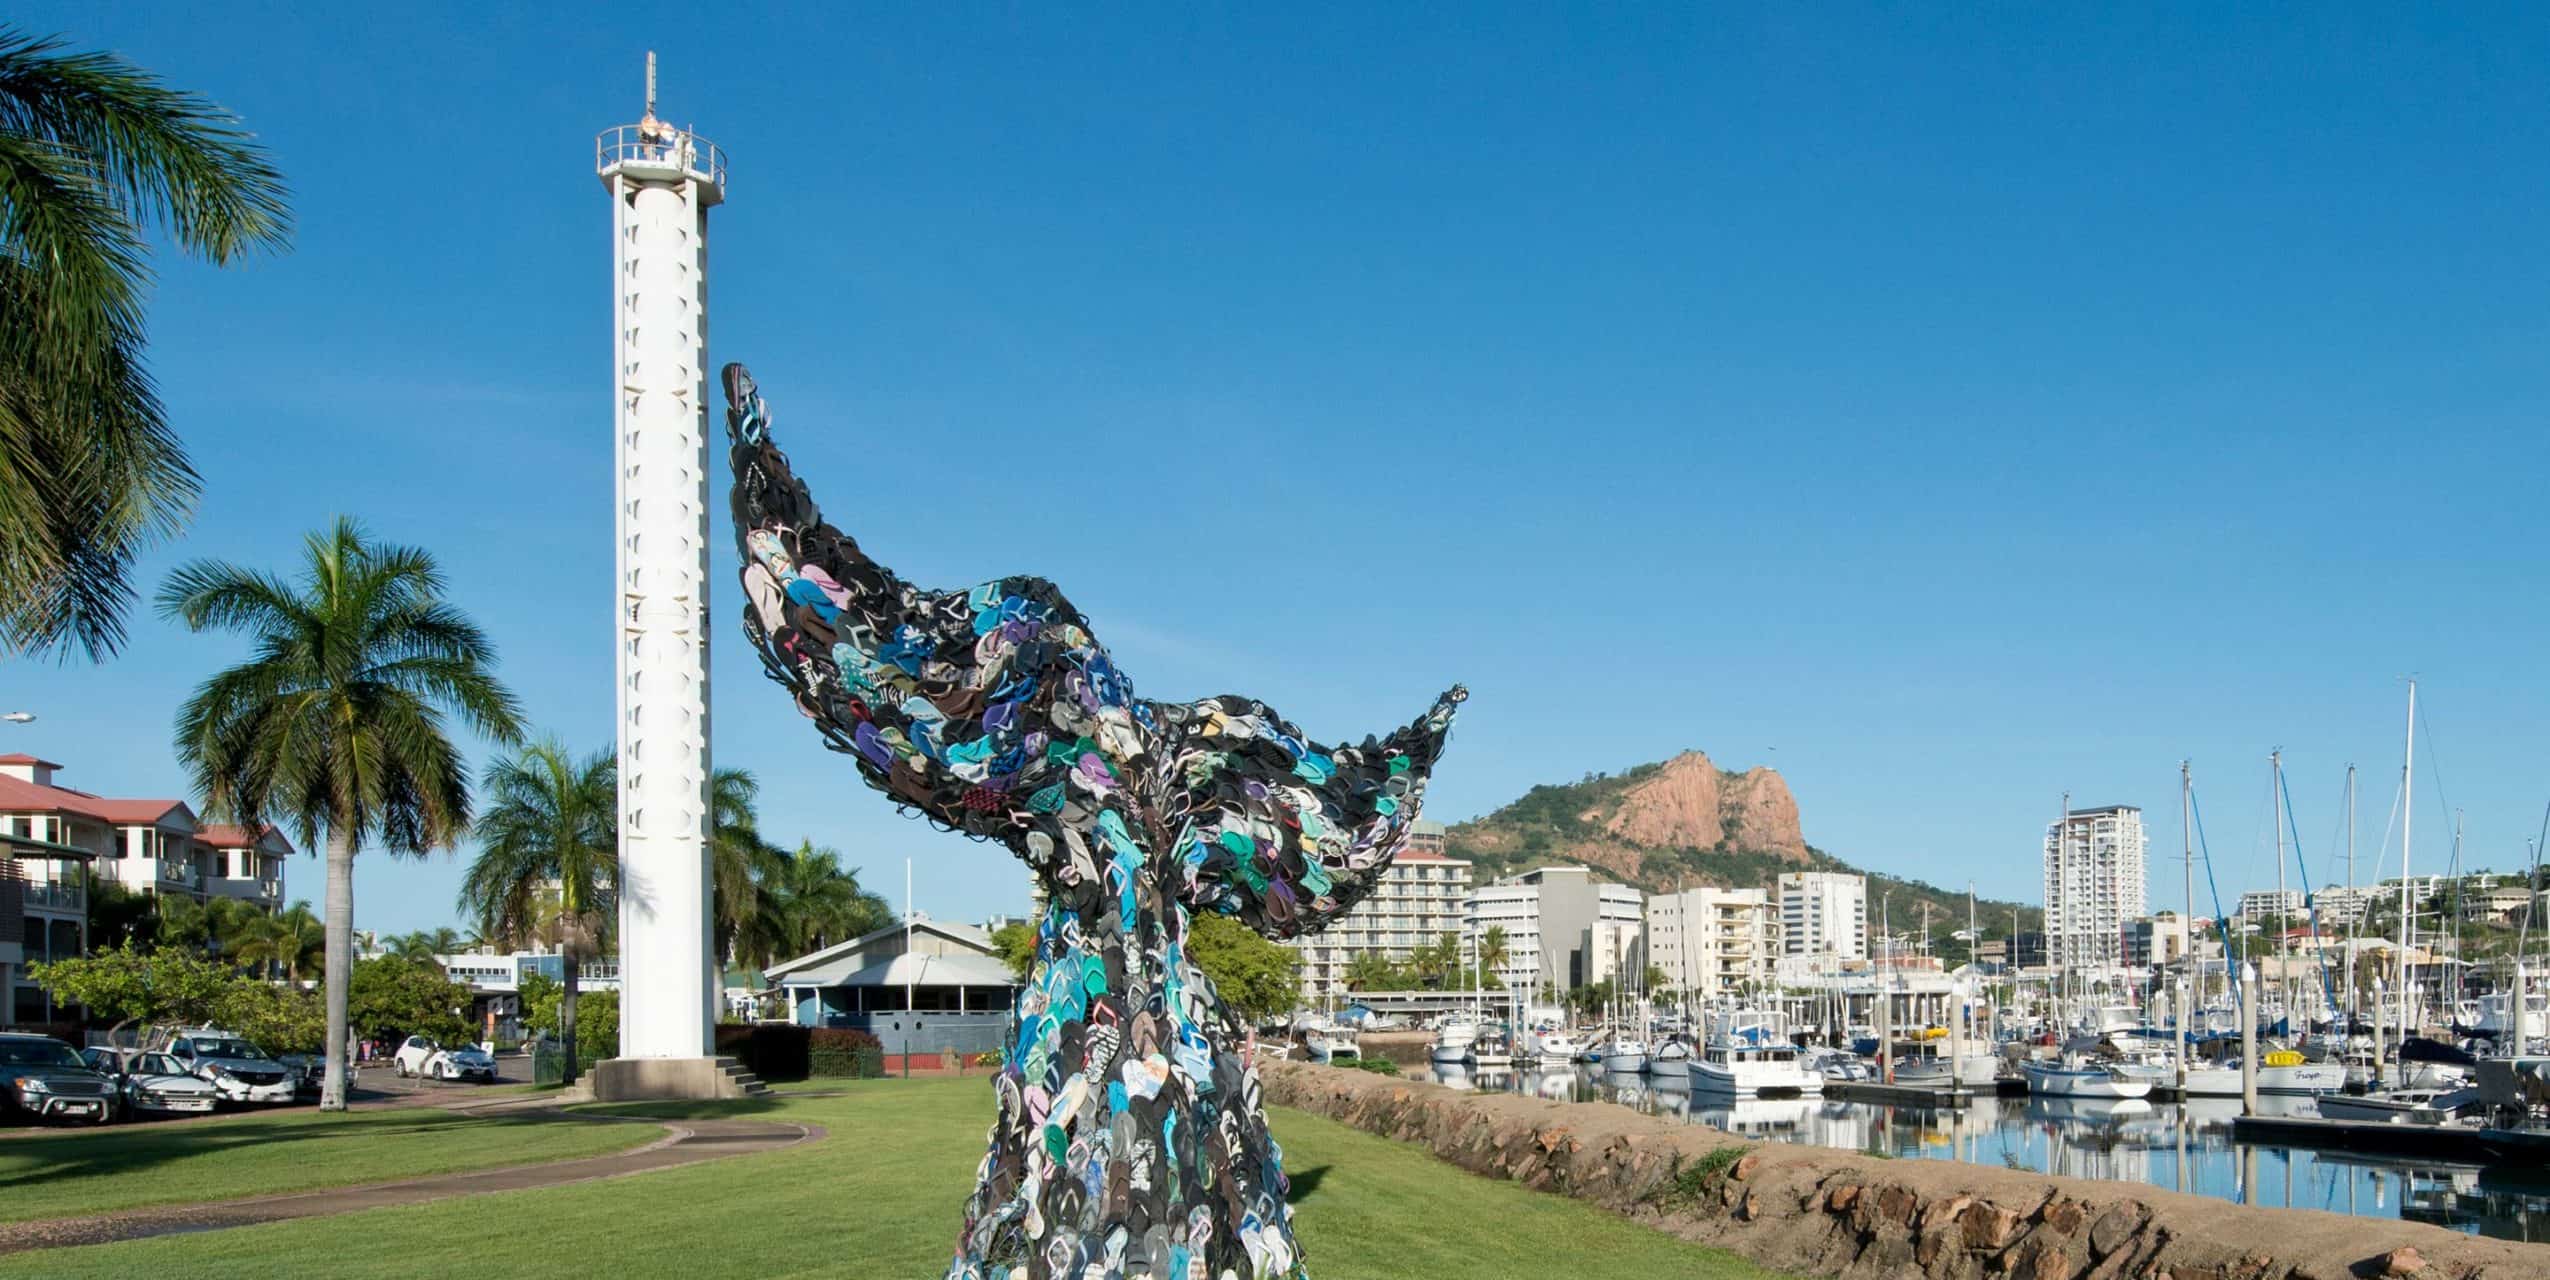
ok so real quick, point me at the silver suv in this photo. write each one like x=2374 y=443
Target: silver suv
x=238 y=1070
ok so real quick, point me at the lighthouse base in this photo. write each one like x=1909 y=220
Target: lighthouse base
x=656 y=1079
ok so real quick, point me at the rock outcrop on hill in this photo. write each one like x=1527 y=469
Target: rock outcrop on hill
x=1678 y=823
x=1683 y=820
x=1690 y=803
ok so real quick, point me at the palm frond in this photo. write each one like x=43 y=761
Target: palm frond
x=174 y=156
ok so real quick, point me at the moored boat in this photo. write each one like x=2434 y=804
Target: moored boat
x=2081 y=1078
x=1749 y=1054
x=2399 y=1106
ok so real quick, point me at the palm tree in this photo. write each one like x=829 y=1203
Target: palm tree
x=548 y=865
x=819 y=901
x=183 y=922
x=95 y=154
x=288 y=941
x=335 y=726
x=1494 y=949
x=424 y=945
x=215 y=927
x=766 y=933
x=738 y=859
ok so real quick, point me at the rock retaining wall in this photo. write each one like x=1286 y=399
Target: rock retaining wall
x=1816 y=1211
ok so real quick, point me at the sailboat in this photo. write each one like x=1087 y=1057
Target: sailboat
x=2081 y=1076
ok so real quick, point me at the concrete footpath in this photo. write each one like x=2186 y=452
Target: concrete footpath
x=684 y=1142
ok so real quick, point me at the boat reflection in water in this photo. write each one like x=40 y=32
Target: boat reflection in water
x=2184 y=1146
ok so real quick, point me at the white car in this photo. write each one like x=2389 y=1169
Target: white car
x=237 y=1070
x=422 y=1056
x=158 y=1083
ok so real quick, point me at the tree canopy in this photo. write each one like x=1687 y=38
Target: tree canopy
x=1258 y=979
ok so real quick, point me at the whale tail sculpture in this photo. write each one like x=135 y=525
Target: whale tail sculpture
x=1130 y=1140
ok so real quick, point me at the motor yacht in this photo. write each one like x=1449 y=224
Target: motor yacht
x=1452 y=1039
x=2399 y=1106
x=1749 y=1054
x=1554 y=1044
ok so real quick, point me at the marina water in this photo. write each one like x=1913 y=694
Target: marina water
x=2178 y=1146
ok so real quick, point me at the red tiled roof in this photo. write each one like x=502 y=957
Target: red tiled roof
x=137 y=811
x=222 y=835
x=19 y=794
x=20 y=757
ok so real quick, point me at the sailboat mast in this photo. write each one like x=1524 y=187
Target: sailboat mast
x=2187 y=923
x=2275 y=803
x=2407 y=903
x=2356 y=915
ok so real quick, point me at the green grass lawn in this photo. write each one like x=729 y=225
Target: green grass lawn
x=880 y=1197
x=82 y=1171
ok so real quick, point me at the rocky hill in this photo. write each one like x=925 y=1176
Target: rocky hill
x=1685 y=822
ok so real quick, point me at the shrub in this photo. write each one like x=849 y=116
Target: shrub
x=840 y=1051
x=772 y=1050
x=1694 y=1182
x=1377 y=1066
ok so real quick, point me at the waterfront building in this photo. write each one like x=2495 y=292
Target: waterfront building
x=62 y=840
x=1422 y=897
x=1997 y=952
x=495 y=983
x=1563 y=928
x=2428 y=888
x=2337 y=907
x=2094 y=883
x=2503 y=905
x=2155 y=940
x=1712 y=942
x=1823 y=913
x=2271 y=904
x=922 y=987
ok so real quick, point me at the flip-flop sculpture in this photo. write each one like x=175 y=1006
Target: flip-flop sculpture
x=1130 y=1140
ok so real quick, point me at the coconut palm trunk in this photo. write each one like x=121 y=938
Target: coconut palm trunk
x=340 y=970
x=567 y=1009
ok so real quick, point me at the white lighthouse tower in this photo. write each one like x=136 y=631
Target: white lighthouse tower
x=663 y=181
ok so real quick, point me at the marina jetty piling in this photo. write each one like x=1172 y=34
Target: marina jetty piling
x=1818 y=1211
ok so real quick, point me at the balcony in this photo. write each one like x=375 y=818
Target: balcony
x=58 y=897
x=254 y=889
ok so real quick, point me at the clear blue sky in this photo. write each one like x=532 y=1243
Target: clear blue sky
x=1970 y=409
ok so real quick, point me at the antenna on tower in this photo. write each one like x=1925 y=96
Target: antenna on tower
x=650 y=84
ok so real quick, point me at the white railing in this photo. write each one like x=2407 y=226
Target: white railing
x=667 y=148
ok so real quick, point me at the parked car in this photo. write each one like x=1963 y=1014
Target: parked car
x=46 y=1079
x=423 y=1056
x=237 y=1070
x=310 y=1073
x=155 y=1083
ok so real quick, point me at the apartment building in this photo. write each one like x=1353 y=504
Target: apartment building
x=64 y=840
x=1712 y=942
x=1563 y=928
x=2094 y=884
x=1420 y=898
x=1823 y=913
x=2271 y=904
